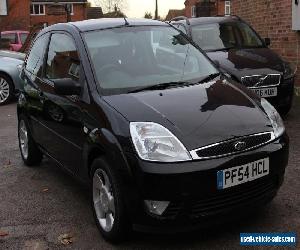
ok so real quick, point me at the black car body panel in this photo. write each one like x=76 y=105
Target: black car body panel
x=75 y=130
x=220 y=105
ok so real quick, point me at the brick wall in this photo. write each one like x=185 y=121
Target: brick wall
x=188 y=7
x=273 y=19
x=79 y=14
x=219 y=7
x=17 y=19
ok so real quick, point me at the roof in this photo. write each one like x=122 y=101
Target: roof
x=106 y=23
x=63 y=1
x=207 y=20
x=174 y=13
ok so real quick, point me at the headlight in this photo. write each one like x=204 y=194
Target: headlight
x=289 y=72
x=153 y=142
x=274 y=117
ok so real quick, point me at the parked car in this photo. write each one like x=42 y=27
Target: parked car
x=10 y=82
x=165 y=141
x=17 y=38
x=240 y=51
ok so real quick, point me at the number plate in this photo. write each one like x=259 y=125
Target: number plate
x=238 y=175
x=266 y=92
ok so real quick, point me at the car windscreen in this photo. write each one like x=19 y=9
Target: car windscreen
x=131 y=57
x=218 y=36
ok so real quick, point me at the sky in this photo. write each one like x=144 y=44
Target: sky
x=137 y=8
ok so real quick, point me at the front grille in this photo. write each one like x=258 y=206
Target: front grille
x=224 y=200
x=233 y=146
x=257 y=81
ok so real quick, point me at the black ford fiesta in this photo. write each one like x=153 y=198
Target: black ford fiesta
x=164 y=140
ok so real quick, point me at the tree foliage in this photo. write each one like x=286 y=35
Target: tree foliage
x=148 y=15
x=110 y=5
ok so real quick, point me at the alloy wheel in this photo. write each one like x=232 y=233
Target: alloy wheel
x=4 y=90
x=103 y=200
x=23 y=137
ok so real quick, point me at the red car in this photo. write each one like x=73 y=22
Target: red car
x=16 y=37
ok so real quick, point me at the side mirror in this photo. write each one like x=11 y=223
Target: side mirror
x=66 y=86
x=267 y=42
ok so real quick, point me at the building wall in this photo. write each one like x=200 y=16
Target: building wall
x=188 y=7
x=219 y=7
x=17 y=18
x=273 y=19
x=79 y=14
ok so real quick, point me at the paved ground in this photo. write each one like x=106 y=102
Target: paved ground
x=38 y=205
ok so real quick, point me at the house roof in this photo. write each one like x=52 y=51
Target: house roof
x=174 y=13
x=64 y=1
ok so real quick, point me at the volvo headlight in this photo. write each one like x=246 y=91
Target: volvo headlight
x=153 y=142
x=274 y=117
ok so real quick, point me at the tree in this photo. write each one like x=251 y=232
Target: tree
x=109 y=5
x=148 y=15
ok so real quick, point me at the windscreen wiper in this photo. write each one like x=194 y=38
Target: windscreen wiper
x=160 y=86
x=221 y=49
x=209 y=77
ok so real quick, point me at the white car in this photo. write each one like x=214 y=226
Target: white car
x=10 y=82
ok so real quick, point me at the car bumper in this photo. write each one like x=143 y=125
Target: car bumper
x=285 y=94
x=191 y=188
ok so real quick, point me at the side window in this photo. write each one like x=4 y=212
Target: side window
x=34 y=62
x=63 y=59
x=12 y=37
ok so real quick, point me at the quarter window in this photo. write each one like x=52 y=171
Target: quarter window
x=194 y=11
x=34 y=62
x=37 y=9
x=227 y=8
x=63 y=60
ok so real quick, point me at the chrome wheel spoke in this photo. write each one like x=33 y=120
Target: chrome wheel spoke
x=4 y=90
x=23 y=138
x=103 y=199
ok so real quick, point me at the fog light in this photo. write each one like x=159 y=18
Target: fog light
x=156 y=207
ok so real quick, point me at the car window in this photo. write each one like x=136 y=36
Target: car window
x=34 y=62
x=23 y=37
x=131 y=57
x=63 y=59
x=217 y=36
x=12 y=37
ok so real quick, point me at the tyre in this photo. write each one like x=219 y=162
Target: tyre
x=30 y=152
x=6 y=89
x=107 y=202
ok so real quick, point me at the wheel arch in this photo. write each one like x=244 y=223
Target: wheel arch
x=106 y=146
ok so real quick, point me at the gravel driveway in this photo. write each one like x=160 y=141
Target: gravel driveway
x=42 y=208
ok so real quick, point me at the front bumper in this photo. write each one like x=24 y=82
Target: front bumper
x=191 y=188
x=285 y=94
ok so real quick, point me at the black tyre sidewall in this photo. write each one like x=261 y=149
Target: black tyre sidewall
x=121 y=228
x=11 y=89
x=35 y=156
